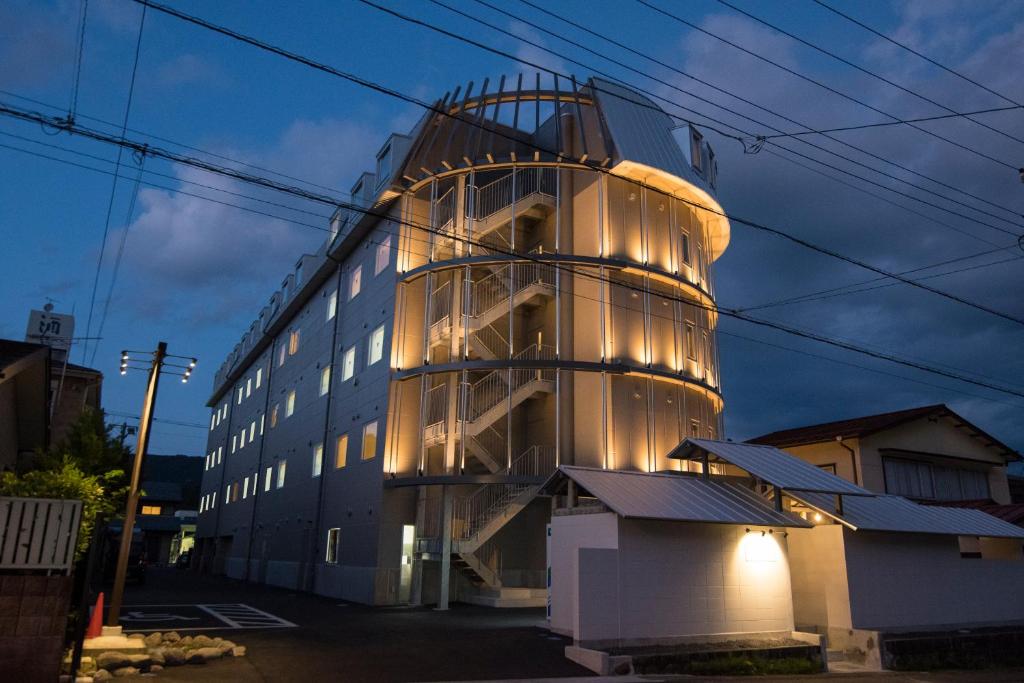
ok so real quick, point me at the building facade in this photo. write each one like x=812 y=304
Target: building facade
x=524 y=282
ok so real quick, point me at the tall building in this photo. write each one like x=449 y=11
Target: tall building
x=527 y=283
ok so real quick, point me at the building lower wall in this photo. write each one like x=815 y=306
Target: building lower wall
x=621 y=582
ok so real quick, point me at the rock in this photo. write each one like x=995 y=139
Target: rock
x=153 y=639
x=208 y=653
x=101 y=675
x=173 y=656
x=111 y=660
x=202 y=641
x=185 y=642
x=155 y=668
x=224 y=645
x=83 y=679
x=195 y=658
x=238 y=651
x=157 y=656
x=171 y=637
x=125 y=671
x=136 y=636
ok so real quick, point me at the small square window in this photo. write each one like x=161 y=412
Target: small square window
x=318 y=459
x=289 y=406
x=341 y=451
x=281 y=355
x=355 y=282
x=248 y=387
x=259 y=377
x=151 y=509
x=220 y=454
x=691 y=344
x=332 y=545
x=696 y=140
x=348 y=364
x=293 y=342
x=332 y=305
x=213 y=500
x=325 y=380
x=267 y=476
x=240 y=389
x=376 y=350
x=262 y=418
x=234 y=442
x=281 y=467
x=369 y=440
x=227 y=494
x=383 y=255
x=245 y=488
x=684 y=246
x=273 y=415
x=252 y=431
x=213 y=421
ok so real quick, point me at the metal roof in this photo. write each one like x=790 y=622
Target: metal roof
x=675 y=497
x=895 y=513
x=769 y=464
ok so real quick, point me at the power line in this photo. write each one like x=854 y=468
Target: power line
x=179 y=423
x=868 y=72
x=82 y=14
x=745 y=100
x=884 y=124
x=824 y=86
x=571 y=270
x=915 y=52
x=488 y=48
x=436 y=109
x=113 y=189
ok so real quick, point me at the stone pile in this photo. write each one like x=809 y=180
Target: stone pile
x=161 y=650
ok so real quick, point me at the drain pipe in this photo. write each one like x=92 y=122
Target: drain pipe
x=853 y=458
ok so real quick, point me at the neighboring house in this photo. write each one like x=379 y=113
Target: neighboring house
x=929 y=454
x=535 y=294
x=41 y=396
x=168 y=509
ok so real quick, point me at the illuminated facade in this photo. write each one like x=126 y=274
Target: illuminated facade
x=538 y=263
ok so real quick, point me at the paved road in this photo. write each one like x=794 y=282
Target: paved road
x=308 y=638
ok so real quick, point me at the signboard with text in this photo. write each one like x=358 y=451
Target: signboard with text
x=52 y=329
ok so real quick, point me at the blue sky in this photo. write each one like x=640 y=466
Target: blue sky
x=195 y=273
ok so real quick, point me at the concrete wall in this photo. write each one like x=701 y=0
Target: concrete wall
x=665 y=581
x=911 y=580
x=821 y=595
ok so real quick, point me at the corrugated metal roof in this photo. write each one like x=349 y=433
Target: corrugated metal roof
x=895 y=513
x=678 y=498
x=642 y=132
x=771 y=465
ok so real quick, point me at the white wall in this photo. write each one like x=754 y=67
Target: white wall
x=666 y=580
x=910 y=580
x=821 y=595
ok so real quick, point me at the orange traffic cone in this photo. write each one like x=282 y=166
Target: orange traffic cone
x=95 y=629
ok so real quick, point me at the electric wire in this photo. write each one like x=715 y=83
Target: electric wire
x=863 y=70
x=884 y=124
x=562 y=267
x=491 y=49
x=80 y=49
x=113 y=189
x=912 y=51
x=824 y=86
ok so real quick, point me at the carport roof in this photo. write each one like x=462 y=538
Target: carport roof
x=769 y=464
x=674 y=497
x=895 y=513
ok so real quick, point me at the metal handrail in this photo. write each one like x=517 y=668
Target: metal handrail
x=498 y=194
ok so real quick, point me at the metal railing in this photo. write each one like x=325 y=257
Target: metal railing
x=509 y=280
x=492 y=340
x=491 y=198
x=444 y=212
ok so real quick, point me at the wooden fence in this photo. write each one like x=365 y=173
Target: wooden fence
x=38 y=533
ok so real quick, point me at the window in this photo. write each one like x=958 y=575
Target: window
x=335 y=227
x=248 y=387
x=245 y=488
x=684 y=246
x=281 y=356
x=332 y=305
x=355 y=282
x=240 y=395
x=255 y=479
x=224 y=410
x=293 y=342
x=332 y=545
x=234 y=442
x=712 y=167
x=289 y=406
x=341 y=451
x=695 y=150
x=241 y=439
x=691 y=344
x=928 y=481
x=151 y=509
x=384 y=163
x=262 y=419
x=213 y=500
x=348 y=364
x=252 y=431
x=281 y=467
x=213 y=421
x=234 y=492
x=707 y=351
x=694 y=428
x=369 y=440
x=325 y=380
x=383 y=255
x=273 y=415
x=220 y=454
x=267 y=476
x=202 y=504
x=318 y=459
x=227 y=494
x=259 y=377
x=376 y=350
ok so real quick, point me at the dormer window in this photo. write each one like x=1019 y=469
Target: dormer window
x=357 y=191
x=384 y=163
x=712 y=168
x=696 y=140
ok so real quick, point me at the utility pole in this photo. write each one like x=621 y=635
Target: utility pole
x=145 y=422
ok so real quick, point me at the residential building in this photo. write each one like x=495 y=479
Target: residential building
x=529 y=284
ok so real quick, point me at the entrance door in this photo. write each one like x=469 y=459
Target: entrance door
x=405 y=568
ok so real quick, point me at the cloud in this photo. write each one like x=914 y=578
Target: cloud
x=189 y=69
x=532 y=54
x=37 y=43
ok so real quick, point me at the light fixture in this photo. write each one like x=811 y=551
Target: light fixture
x=817 y=517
